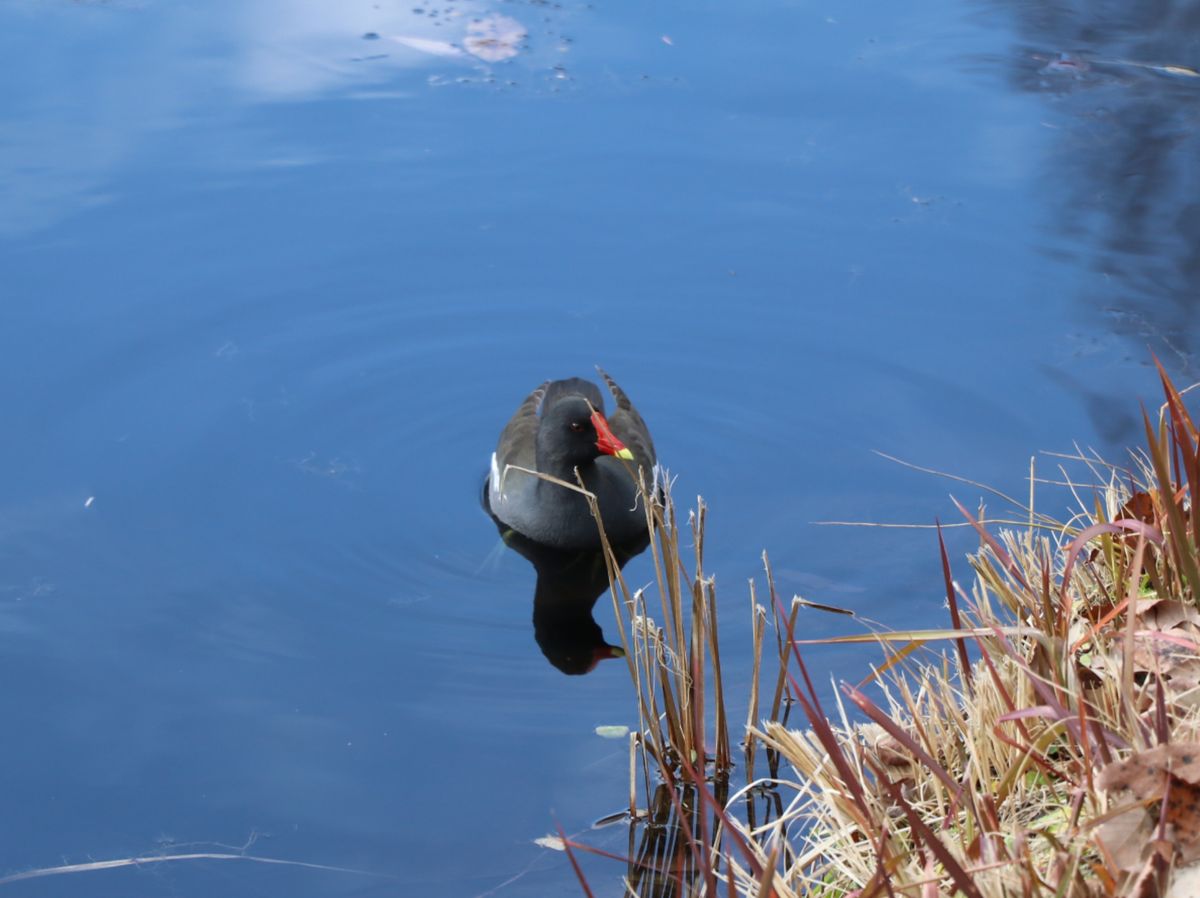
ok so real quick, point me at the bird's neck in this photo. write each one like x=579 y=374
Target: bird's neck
x=558 y=465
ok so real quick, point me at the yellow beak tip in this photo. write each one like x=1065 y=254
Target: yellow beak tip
x=625 y=454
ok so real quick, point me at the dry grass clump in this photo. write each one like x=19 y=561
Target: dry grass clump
x=1052 y=747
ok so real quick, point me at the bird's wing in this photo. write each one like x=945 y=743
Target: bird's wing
x=629 y=427
x=517 y=445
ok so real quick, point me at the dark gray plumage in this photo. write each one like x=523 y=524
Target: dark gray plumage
x=554 y=432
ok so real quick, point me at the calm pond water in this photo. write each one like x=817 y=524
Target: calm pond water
x=276 y=272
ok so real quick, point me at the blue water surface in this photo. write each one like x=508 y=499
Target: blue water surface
x=276 y=272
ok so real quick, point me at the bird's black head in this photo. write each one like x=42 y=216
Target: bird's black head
x=568 y=435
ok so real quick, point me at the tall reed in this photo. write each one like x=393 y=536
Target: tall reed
x=1052 y=748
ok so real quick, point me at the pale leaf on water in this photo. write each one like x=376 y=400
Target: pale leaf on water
x=425 y=45
x=612 y=732
x=554 y=843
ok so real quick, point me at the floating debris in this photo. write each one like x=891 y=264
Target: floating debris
x=1066 y=64
x=1176 y=70
x=426 y=45
x=612 y=732
x=1077 y=67
x=494 y=38
x=1180 y=70
x=610 y=819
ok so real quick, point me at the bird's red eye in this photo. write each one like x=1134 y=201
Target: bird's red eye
x=578 y=426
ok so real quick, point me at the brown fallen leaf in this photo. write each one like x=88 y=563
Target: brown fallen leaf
x=1185 y=674
x=1140 y=507
x=1183 y=814
x=1151 y=880
x=1164 y=656
x=888 y=749
x=1123 y=838
x=1165 y=614
x=1142 y=773
x=1169 y=773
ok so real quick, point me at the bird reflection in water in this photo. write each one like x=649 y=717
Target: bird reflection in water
x=568 y=585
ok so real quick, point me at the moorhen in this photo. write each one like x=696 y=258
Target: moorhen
x=558 y=429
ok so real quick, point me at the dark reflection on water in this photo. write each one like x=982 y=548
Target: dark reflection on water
x=1125 y=166
x=662 y=843
x=568 y=585
x=664 y=864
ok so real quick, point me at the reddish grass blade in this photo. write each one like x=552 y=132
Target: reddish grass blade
x=1185 y=439
x=1089 y=533
x=587 y=890
x=962 y=880
x=998 y=550
x=697 y=778
x=955 y=621
x=1183 y=548
x=1048 y=697
x=880 y=717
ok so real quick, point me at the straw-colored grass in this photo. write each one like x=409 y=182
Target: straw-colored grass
x=1045 y=743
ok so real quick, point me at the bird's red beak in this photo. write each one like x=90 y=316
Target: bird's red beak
x=603 y=652
x=606 y=441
